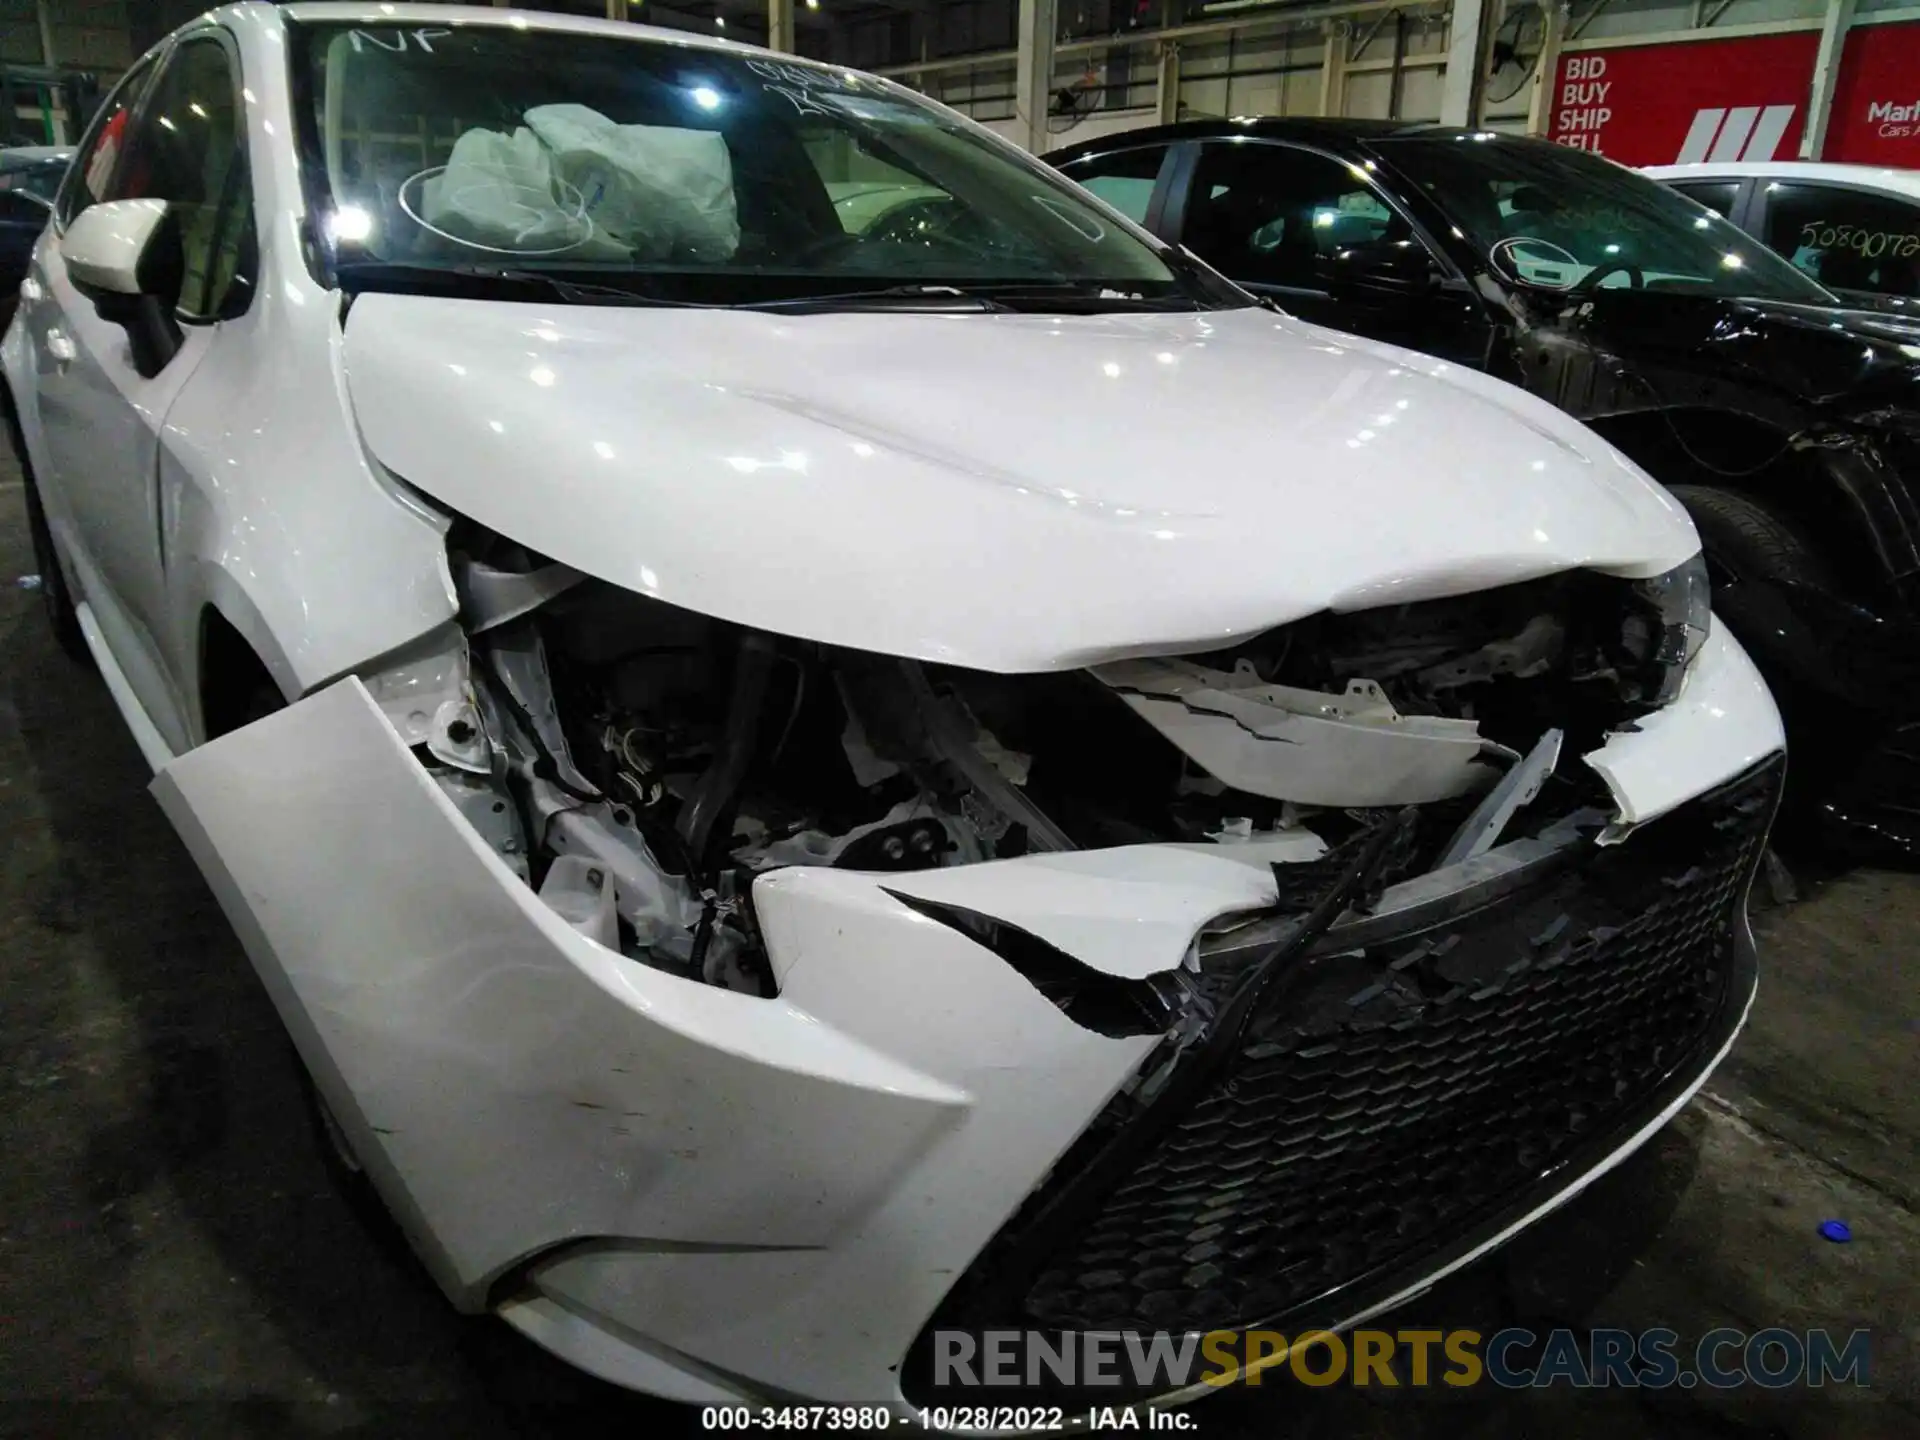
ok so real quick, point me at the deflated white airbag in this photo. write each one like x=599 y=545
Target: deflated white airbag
x=572 y=181
x=656 y=189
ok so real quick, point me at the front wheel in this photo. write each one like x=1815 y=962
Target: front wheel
x=1853 y=784
x=1744 y=540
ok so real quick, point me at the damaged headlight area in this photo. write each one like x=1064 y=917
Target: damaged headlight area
x=640 y=765
x=1667 y=632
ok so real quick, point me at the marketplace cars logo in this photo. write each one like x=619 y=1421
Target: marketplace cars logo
x=1896 y=121
x=1513 y=1358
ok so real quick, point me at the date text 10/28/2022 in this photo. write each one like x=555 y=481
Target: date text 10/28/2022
x=1774 y=1358
x=1026 y=1419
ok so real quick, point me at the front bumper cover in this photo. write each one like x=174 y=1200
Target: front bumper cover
x=1421 y=1081
x=694 y=1191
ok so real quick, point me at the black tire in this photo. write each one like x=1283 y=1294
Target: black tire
x=1744 y=540
x=54 y=595
x=1827 y=740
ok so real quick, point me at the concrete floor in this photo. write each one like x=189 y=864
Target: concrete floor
x=174 y=1260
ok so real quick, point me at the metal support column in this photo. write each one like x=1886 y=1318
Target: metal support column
x=1033 y=74
x=1333 y=68
x=1546 y=70
x=54 y=106
x=780 y=25
x=616 y=9
x=44 y=13
x=1826 y=70
x=1167 y=92
x=1460 y=86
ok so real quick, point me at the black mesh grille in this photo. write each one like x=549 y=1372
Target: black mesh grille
x=1386 y=1103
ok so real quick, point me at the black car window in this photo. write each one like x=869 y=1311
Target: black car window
x=189 y=150
x=99 y=153
x=1847 y=239
x=1717 y=195
x=39 y=179
x=18 y=207
x=1269 y=214
x=1556 y=218
x=1123 y=178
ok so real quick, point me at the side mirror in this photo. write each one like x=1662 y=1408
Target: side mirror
x=1381 y=269
x=124 y=256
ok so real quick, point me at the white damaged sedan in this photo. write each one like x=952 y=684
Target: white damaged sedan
x=803 y=785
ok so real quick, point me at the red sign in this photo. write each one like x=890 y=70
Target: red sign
x=1876 y=100
x=1702 y=100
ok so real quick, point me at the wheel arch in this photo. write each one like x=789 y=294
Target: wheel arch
x=234 y=653
x=1837 y=492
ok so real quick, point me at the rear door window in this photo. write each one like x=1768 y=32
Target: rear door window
x=1717 y=195
x=1846 y=239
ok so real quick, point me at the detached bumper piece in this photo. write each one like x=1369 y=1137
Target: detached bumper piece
x=1393 y=1108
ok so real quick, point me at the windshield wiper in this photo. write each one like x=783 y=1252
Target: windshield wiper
x=884 y=297
x=1207 y=288
x=1001 y=296
x=413 y=276
x=987 y=296
x=587 y=292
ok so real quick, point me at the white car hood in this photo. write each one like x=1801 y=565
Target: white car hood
x=1007 y=492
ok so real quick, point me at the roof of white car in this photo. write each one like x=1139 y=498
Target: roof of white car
x=1900 y=182
x=337 y=11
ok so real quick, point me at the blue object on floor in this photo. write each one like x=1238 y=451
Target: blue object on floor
x=1836 y=1231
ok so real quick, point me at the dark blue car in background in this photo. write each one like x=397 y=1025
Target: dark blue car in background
x=28 y=178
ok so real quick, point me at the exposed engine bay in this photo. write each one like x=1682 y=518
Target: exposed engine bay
x=640 y=765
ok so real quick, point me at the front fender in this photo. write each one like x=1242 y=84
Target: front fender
x=1877 y=501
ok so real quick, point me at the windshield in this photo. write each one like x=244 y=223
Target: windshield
x=680 y=173
x=1558 y=218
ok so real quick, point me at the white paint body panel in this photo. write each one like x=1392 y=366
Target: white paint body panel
x=512 y=1086
x=1303 y=745
x=239 y=459
x=1897 y=184
x=1724 y=722
x=1190 y=478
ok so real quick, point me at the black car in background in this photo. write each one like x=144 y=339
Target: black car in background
x=28 y=178
x=1787 y=424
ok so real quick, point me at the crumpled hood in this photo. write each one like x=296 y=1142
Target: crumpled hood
x=1007 y=492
